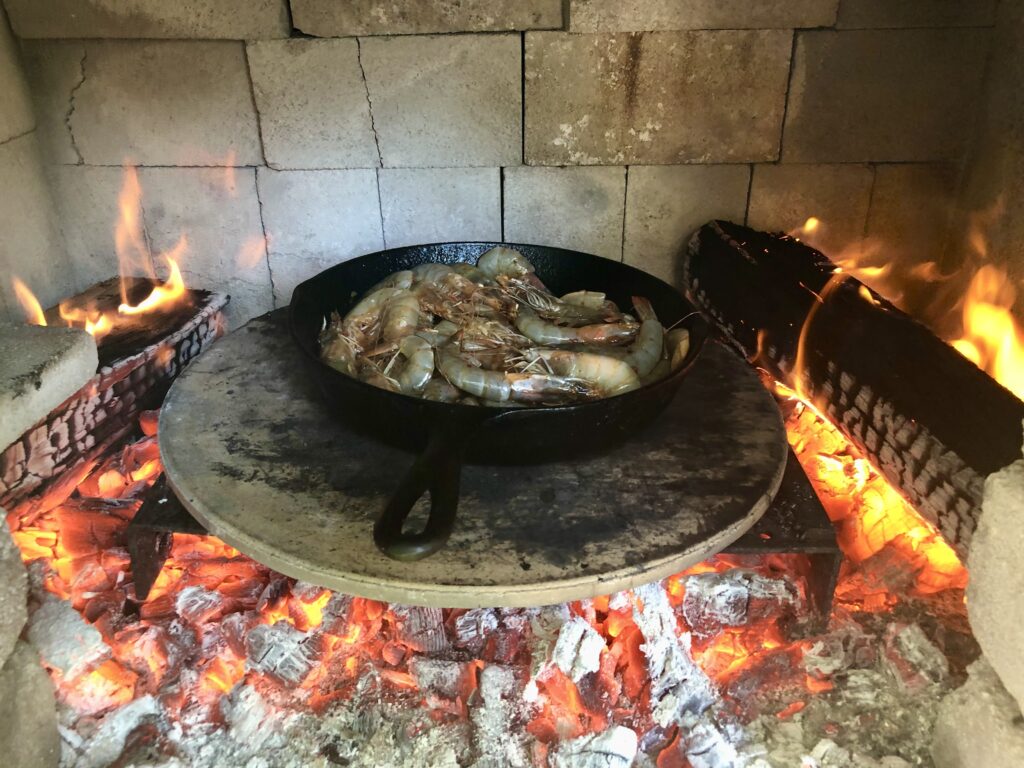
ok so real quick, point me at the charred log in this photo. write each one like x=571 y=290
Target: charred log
x=931 y=421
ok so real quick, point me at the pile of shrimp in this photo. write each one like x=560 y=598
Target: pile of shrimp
x=493 y=335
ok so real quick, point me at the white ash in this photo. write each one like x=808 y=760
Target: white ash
x=65 y=641
x=440 y=676
x=500 y=743
x=678 y=685
x=912 y=659
x=336 y=614
x=545 y=627
x=577 y=651
x=198 y=604
x=613 y=748
x=252 y=721
x=843 y=647
x=280 y=651
x=107 y=744
x=715 y=600
x=473 y=627
x=706 y=746
x=422 y=629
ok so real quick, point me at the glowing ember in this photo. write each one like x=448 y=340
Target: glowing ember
x=216 y=622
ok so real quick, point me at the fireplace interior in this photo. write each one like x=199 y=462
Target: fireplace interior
x=809 y=560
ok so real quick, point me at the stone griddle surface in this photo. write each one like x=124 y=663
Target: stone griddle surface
x=250 y=450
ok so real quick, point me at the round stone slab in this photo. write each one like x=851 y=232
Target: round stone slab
x=250 y=450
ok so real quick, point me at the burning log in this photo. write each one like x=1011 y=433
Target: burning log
x=136 y=368
x=928 y=418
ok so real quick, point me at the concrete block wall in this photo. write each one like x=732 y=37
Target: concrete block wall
x=282 y=136
x=31 y=246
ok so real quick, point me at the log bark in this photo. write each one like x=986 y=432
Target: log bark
x=932 y=422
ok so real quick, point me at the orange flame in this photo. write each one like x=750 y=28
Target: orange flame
x=129 y=241
x=29 y=302
x=991 y=338
x=162 y=295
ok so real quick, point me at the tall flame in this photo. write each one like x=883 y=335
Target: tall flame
x=129 y=241
x=29 y=302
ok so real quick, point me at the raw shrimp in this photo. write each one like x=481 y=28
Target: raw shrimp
x=363 y=320
x=475 y=274
x=500 y=386
x=440 y=390
x=551 y=307
x=419 y=364
x=439 y=334
x=504 y=261
x=479 y=333
x=337 y=349
x=402 y=279
x=534 y=327
x=401 y=316
x=430 y=272
x=678 y=342
x=371 y=374
x=649 y=347
x=608 y=375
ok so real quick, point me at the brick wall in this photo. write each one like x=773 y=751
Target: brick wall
x=611 y=126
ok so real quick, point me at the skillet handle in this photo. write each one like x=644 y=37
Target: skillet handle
x=438 y=470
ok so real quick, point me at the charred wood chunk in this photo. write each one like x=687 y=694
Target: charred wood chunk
x=928 y=418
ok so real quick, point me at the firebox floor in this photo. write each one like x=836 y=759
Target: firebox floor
x=250 y=451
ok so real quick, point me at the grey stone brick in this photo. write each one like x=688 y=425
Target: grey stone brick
x=214 y=19
x=315 y=219
x=655 y=97
x=665 y=204
x=867 y=14
x=328 y=18
x=217 y=211
x=578 y=208
x=152 y=102
x=783 y=197
x=312 y=103
x=643 y=15
x=883 y=95
x=28 y=716
x=432 y=205
x=16 y=116
x=446 y=101
x=30 y=246
x=42 y=368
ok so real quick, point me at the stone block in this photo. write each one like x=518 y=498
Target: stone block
x=52 y=71
x=214 y=19
x=311 y=97
x=655 y=97
x=16 y=116
x=910 y=211
x=42 y=368
x=994 y=604
x=152 y=102
x=327 y=18
x=665 y=204
x=31 y=247
x=578 y=208
x=85 y=199
x=646 y=15
x=884 y=14
x=13 y=585
x=314 y=219
x=783 y=197
x=446 y=101
x=217 y=211
x=28 y=716
x=979 y=724
x=883 y=95
x=436 y=205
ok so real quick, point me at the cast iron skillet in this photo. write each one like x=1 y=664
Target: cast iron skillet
x=445 y=434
